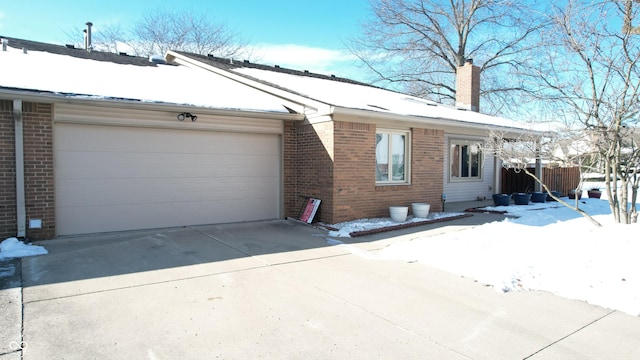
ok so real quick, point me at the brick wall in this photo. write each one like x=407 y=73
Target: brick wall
x=38 y=169
x=289 y=169
x=355 y=148
x=335 y=162
x=313 y=168
x=356 y=193
x=427 y=164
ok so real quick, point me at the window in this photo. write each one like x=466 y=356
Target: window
x=466 y=160
x=392 y=156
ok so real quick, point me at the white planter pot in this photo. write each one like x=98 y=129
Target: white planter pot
x=398 y=213
x=420 y=210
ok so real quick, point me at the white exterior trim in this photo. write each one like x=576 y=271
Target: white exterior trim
x=100 y=115
x=52 y=98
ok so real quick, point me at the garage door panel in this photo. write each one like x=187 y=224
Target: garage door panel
x=109 y=191
x=150 y=216
x=166 y=178
x=123 y=165
x=135 y=141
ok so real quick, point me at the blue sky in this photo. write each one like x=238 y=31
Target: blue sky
x=297 y=34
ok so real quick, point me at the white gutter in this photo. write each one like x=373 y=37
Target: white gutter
x=368 y=116
x=36 y=96
x=21 y=212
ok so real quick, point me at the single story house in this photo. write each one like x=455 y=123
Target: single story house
x=99 y=142
x=362 y=148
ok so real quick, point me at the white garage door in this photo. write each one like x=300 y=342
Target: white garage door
x=111 y=178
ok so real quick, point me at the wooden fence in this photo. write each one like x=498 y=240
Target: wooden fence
x=557 y=179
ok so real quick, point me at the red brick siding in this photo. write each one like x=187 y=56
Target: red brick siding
x=289 y=169
x=427 y=164
x=355 y=176
x=335 y=162
x=313 y=168
x=357 y=195
x=8 y=221
x=38 y=168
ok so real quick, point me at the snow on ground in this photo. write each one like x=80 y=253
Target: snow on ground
x=548 y=247
x=14 y=248
x=346 y=228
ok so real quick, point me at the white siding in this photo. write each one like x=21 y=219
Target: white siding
x=467 y=190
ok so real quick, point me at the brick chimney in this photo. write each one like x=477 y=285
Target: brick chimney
x=468 y=86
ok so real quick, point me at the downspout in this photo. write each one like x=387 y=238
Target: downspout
x=538 y=186
x=21 y=212
x=497 y=175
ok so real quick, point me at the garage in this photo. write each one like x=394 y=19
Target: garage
x=110 y=176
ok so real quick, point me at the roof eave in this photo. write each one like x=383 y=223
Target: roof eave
x=49 y=97
x=376 y=116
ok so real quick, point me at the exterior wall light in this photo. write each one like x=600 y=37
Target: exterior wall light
x=184 y=115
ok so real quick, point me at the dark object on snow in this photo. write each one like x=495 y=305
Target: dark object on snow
x=521 y=198
x=538 y=197
x=554 y=193
x=501 y=199
x=594 y=193
x=574 y=193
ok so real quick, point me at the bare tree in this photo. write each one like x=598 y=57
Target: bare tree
x=112 y=39
x=159 y=30
x=419 y=44
x=592 y=72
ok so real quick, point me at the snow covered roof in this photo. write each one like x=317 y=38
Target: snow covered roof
x=76 y=73
x=343 y=93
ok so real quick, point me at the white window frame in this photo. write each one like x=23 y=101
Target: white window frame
x=469 y=143
x=407 y=156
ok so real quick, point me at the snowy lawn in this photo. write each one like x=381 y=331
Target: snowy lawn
x=547 y=247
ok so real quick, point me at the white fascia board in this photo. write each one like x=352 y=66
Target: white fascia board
x=35 y=96
x=391 y=119
x=296 y=102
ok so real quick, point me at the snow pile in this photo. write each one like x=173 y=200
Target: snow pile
x=14 y=248
x=548 y=247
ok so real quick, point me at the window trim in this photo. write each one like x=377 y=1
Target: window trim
x=481 y=158
x=407 y=156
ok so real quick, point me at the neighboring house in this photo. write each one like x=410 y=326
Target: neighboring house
x=108 y=143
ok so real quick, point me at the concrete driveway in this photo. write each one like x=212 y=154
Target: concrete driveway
x=278 y=290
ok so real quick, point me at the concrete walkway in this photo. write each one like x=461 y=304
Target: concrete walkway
x=277 y=290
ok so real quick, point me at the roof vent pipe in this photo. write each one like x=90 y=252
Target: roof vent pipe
x=87 y=37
